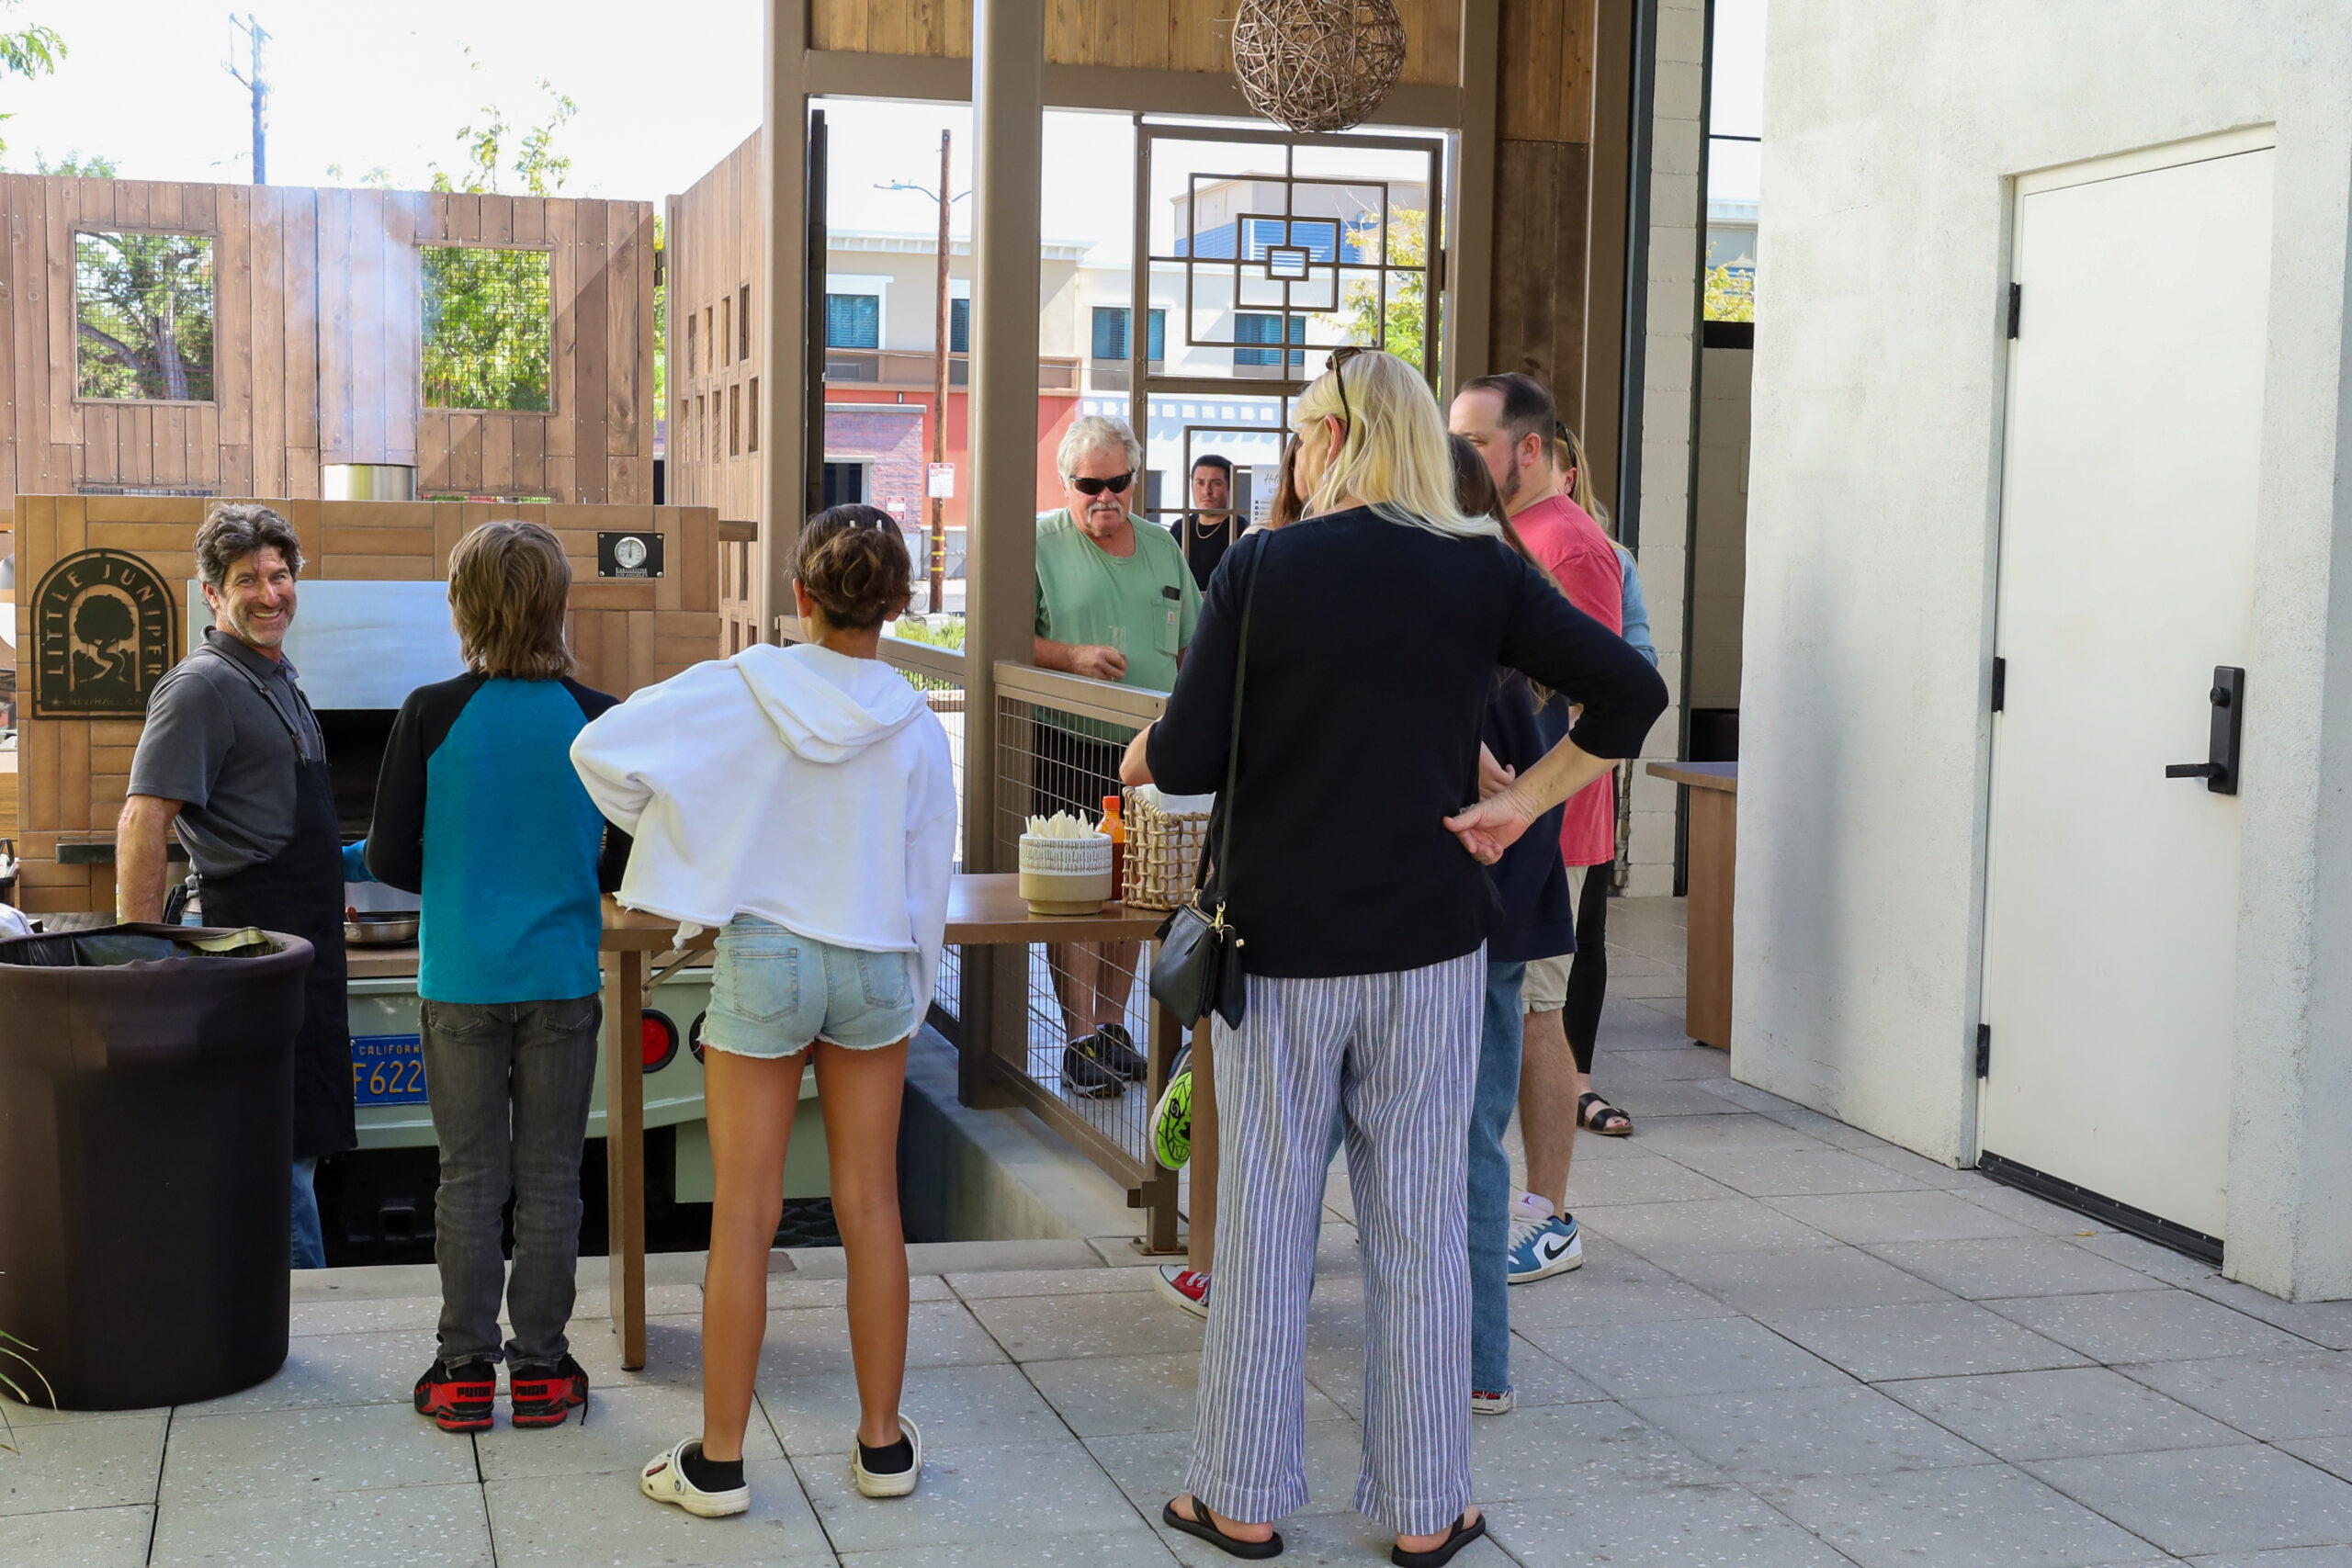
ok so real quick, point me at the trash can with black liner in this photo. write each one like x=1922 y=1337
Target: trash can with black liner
x=146 y=1135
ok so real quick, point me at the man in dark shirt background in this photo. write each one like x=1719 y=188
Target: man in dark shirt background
x=1207 y=532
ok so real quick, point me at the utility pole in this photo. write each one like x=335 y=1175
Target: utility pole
x=939 y=380
x=256 y=83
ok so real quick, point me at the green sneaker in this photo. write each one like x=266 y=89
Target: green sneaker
x=1171 y=1119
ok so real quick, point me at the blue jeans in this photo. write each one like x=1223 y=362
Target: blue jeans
x=1492 y=1101
x=1491 y=1104
x=309 y=1241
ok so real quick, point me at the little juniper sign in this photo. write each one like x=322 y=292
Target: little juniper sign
x=102 y=637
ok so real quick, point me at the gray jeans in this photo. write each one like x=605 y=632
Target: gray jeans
x=510 y=1084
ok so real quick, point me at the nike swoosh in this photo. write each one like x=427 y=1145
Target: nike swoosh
x=1557 y=1247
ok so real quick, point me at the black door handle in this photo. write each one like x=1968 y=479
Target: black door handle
x=2219 y=770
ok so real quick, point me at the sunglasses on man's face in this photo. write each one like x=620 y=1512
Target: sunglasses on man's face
x=1116 y=484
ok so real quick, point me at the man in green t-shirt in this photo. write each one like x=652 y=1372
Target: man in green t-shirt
x=1115 y=601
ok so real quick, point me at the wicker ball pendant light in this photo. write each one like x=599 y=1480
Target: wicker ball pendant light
x=1317 y=65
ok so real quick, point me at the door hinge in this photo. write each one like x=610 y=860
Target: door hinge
x=2001 y=683
x=2017 y=306
x=1983 y=1050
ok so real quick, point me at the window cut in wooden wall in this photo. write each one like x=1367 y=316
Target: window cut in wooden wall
x=744 y=322
x=735 y=420
x=726 y=331
x=755 y=413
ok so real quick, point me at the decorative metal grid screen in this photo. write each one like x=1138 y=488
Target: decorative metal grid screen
x=143 y=306
x=488 y=328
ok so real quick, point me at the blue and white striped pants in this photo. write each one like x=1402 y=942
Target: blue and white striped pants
x=1399 y=1053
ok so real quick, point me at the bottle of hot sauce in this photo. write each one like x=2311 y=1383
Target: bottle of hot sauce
x=1117 y=830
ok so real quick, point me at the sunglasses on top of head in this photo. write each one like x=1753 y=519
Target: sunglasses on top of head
x=1116 y=484
x=1340 y=356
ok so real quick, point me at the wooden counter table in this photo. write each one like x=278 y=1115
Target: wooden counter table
x=1714 y=827
x=981 y=910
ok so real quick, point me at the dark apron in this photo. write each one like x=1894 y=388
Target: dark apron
x=299 y=891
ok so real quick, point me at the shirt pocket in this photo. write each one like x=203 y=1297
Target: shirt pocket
x=1163 y=626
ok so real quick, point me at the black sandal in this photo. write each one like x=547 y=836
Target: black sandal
x=1201 y=1524
x=1593 y=1121
x=1437 y=1556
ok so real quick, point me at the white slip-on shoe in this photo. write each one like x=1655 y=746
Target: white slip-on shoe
x=890 y=1484
x=664 y=1481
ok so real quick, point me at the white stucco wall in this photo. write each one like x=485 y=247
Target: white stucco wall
x=1890 y=132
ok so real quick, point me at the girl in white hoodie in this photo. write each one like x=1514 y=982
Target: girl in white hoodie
x=800 y=800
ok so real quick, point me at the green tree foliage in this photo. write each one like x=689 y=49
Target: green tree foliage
x=143 y=315
x=28 y=52
x=1402 y=328
x=488 y=319
x=93 y=168
x=1731 y=294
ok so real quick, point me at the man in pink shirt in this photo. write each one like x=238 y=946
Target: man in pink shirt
x=1511 y=419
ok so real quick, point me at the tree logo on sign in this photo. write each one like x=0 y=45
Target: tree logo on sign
x=102 y=637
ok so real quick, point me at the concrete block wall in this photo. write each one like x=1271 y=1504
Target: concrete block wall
x=1678 y=210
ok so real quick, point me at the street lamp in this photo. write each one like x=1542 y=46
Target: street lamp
x=939 y=378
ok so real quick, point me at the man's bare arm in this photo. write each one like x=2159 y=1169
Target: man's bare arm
x=1078 y=658
x=140 y=866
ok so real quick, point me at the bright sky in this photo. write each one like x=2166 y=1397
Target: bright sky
x=364 y=86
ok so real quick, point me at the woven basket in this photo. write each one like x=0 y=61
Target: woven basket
x=1163 y=853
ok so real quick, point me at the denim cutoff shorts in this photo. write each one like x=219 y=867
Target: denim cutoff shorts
x=774 y=991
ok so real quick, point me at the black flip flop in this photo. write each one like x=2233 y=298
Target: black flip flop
x=1201 y=1524
x=1437 y=1556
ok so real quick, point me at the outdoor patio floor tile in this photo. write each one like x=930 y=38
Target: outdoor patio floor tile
x=1649 y=1103
x=1701 y=1225
x=1876 y=1219
x=2270 y=1397
x=1540 y=1379
x=82 y=1464
x=2333 y=1455
x=1713 y=1355
x=970 y=1496
x=1112 y=1396
x=2249 y=1497
x=1789 y=1173
x=2291 y=1557
x=2148 y=1325
x=1149 y=1466
x=78 y=1538
x=1980 y=1516
x=2034 y=1212
x=2014 y=1266
x=1923 y=1340
x=1795 y=1433
x=409 y=1527
x=1040 y=1328
x=1614 y=1285
x=335 y=1368
x=603 y=1521
x=957 y=1407
x=2163 y=1262
x=1763 y=1283
x=291 y=1453
x=986 y=1286
x=1927 y=1172
x=1740 y=1129
x=1565 y=1451
x=624 y=1428
x=815 y=1342
x=1635 y=1177
x=1135 y=1548
x=1628 y=1526
x=2060 y=1414
x=2322 y=1323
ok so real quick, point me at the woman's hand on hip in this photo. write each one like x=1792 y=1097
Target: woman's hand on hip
x=1492 y=826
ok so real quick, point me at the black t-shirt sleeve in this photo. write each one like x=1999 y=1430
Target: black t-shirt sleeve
x=396 y=835
x=1188 y=746
x=1554 y=643
x=611 y=859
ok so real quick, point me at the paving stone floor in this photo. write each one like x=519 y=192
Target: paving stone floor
x=1792 y=1345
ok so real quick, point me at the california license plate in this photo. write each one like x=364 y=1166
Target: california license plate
x=387 y=1069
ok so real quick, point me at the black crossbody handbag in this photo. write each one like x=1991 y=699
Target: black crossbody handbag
x=1197 y=970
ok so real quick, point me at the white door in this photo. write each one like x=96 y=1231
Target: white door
x=2126 y=576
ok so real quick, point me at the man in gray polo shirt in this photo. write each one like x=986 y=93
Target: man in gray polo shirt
x=233 y=758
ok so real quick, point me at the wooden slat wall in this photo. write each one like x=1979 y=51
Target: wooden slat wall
x=1164 y=35
x=316 y=354
x=714 y=246
x=625 y=634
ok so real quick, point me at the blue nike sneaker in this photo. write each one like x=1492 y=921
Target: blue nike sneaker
x=1540 y=1248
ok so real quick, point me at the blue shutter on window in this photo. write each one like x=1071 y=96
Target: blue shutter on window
x=1251 y=327
x=959 y=326
x=1110 y=332
x=853 y=321
x=1297 y=334
x=1157 y=347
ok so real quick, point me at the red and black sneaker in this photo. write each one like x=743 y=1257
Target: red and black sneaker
x=459 y=1395
x=542 y=1393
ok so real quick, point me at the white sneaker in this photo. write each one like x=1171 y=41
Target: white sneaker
x=1540 y=1248
x=1186 y=1287
x=894 y=1484
x=664 y=1481
x=1486 y=1404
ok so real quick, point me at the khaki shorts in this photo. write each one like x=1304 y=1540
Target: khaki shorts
x=1545 y=988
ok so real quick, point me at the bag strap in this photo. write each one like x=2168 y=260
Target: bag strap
x=1224 y=825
